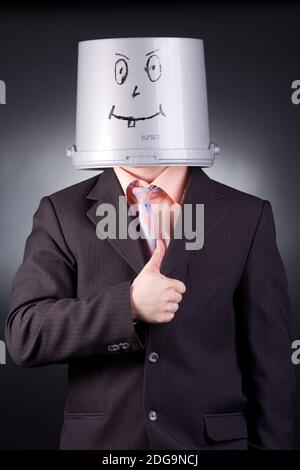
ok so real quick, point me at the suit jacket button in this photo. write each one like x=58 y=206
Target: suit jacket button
x=113 y=347
x=152 y=415
x=153 y=357
x=124 y=345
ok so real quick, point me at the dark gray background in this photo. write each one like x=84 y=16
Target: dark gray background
x=252 y=56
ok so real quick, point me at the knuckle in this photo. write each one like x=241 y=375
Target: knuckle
x=182 y=288
x=168 y=317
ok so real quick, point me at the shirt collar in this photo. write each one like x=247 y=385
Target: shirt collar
x=172 y=180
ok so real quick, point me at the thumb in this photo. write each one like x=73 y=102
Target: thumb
x=155 y=261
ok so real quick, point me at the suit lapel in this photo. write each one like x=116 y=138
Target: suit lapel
x=200 y=190
x=107 y=190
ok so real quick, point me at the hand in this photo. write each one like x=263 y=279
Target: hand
x=154 y=297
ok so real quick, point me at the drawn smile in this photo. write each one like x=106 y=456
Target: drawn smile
x=132 y=120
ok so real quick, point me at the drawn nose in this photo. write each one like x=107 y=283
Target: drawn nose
x=135 y=92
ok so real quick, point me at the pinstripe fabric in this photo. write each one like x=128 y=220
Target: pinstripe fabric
x=223 y=379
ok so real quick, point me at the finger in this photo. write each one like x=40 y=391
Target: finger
x=171 y=295
x=177 y=285
x=165 y=318
x=175 y=297
x=155 y=261
x=171 y=307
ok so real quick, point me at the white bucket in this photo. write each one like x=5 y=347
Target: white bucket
x=142 y=101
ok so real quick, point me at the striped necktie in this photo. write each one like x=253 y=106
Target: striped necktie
x=153 y=204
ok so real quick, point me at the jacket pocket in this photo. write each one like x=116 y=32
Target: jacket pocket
x=225 y=426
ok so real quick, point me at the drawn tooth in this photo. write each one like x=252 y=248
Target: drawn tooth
x=131 y=123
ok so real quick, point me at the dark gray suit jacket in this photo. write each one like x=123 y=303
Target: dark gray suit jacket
x=221 y=377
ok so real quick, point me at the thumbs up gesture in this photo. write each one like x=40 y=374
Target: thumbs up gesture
x=154 y=297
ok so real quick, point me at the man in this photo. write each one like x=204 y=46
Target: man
x=177 y=349
x=167 y=347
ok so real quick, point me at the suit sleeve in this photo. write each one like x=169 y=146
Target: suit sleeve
x=47 y=323
x=264 y=334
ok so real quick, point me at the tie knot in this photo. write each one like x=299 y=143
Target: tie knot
x=157 y=211
x=137 y=193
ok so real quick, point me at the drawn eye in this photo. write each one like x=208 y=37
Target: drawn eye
x=153 y=68
x=121 y=71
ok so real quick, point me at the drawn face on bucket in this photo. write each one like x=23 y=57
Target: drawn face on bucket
x=153 y=69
